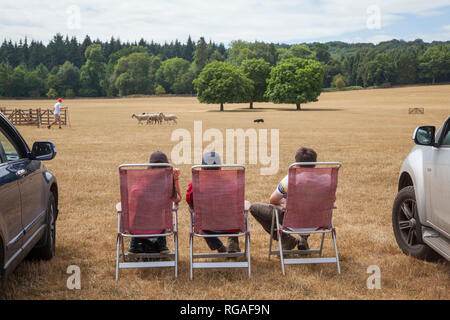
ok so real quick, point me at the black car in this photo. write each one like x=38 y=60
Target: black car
x=28 y=200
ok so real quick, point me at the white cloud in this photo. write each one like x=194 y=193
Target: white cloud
x=443 y=34
x=222 y=21
x=379 y=38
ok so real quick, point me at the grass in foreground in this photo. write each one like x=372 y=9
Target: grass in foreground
x=369 y=131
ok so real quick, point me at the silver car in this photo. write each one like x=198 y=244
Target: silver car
x=421 y=211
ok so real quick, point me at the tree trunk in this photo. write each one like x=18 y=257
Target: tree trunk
x=434 y=80
x=221 y=107
x=298 y=106
x=251 y=105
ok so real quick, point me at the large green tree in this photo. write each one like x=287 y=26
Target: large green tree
x=435 y=63
x=6 y=80
x=35 y=84
x=175 y=76
x=221 y=82
x=296 y=81
x=68 y=78
x=132 y=74
x=406 y=68
x=380 y=70
x=201 y=54
x=258 y=71
x=93 y=72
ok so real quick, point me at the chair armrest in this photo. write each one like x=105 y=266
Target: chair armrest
x=247 y=205
x=119 y=207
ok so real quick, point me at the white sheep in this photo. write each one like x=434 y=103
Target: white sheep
x=169 y=117
x=154 y=118
x=140 y=117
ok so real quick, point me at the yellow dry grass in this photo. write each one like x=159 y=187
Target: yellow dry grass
x=368 y=131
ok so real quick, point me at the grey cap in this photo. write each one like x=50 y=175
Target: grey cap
x=210 y=158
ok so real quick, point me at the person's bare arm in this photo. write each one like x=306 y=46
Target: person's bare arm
x=176 y=176
x=277 y=200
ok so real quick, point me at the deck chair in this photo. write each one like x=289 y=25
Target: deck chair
x=145 y=211
x=219 y=204
x=309 y=204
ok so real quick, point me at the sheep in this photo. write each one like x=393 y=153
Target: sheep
x=156 y=118
x=169 y=117
x=140 y=117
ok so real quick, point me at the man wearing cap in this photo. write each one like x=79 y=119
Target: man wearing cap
x=212 y=158
x=159 y=244
x=263 y=212
x=57 y=113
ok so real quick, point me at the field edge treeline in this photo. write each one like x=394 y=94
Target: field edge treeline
x=66 y=67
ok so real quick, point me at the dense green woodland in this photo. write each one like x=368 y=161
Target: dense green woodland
x=67 y=67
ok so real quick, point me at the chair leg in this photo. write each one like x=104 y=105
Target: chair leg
x=271 y=234
x=191 y=249
x=281 y=253
x=175 y=244
x=280 y=242
x=333 y=234
x=118 y=256
x=247 y=240
x=321 y=243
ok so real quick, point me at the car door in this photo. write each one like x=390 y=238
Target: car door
x=440 y=182
x=31 y=186
x=10 y=201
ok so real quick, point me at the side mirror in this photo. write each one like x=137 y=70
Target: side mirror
x=424 y=135
x=43 y=150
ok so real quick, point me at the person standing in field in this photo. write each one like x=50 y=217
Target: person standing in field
x=57 y=113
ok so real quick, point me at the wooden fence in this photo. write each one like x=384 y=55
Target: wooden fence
x=33 y=117
x=416 y=110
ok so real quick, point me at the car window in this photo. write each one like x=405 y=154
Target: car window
x=8 y=151
x=446 y=140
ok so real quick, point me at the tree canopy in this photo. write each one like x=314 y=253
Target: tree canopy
x=221 y=82
x=296 y=81
x=69 y=67
x=258 y=71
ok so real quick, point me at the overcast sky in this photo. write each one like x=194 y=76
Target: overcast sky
x=288 y=21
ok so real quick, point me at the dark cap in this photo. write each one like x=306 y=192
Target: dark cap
x=158 y=157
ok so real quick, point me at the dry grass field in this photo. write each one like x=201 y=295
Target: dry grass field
x=369 y=131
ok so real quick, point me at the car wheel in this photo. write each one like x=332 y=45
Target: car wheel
x=45 y=248
x=407 y=227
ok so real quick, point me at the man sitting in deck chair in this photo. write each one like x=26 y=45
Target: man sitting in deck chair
x=155 y=245
x=263 y=212
x=211 y=158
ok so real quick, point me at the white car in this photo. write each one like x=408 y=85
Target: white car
x=421 y=211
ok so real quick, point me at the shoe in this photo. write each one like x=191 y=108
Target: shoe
x=162 y=245
x=136 y=247
x=289 y=243
x=233 y=245
x=60 y=127
x=222 y=249
x=303 y=243
x=150 y=246
x=48 y=127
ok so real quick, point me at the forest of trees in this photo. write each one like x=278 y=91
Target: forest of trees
x=66 y=67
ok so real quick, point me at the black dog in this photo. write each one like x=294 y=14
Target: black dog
x=258 y=120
